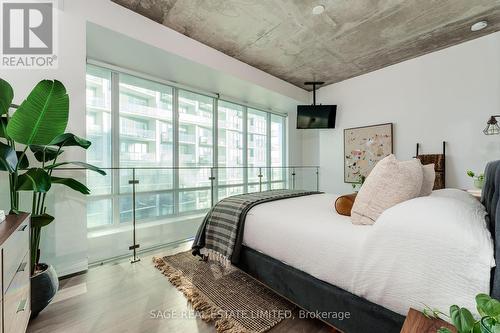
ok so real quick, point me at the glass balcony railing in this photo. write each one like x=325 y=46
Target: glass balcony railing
x=94 y=129
x=138 y=133
x=131 y=156
x=257 y=130
x=98 y=102
x=135 y=209
x=187 y=138
x=189 y=159
x=230 y=125
x=148 y=111
x=205 y=140
x=198 y=118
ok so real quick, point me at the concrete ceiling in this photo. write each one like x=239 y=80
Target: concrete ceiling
x=352 y=37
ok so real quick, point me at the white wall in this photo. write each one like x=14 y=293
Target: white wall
x=443 y=96
x=65 y=241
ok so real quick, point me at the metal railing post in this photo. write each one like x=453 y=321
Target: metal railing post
x=134 y=246
x=269 y=173
x=293 y=179
x=212 y=179
x=260 y=179
x=317 y=178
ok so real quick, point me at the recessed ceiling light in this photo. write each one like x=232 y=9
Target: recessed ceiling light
x=317 y=10
x=479 y=26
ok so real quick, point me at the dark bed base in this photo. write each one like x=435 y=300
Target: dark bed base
x=314 y=295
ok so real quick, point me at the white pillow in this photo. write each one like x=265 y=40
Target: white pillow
x=389 y=183
x=429 y=176
x=457 y=194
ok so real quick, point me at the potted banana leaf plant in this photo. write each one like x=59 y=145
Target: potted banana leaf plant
x=32 y=142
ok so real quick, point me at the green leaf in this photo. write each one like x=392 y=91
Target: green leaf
x=42 y=116
x=6 y=96
x=39 y=221
x=3 y=126
x=444 y=330
x=71 y=183
x=8 y=158
x=69 y=139
x=427 y=313
x=81 y=164
x=24 y=163
x=487 y=325
x=487 y=306
x=50 y=152
x=35 y=179
x=462 y=319
x=477 y=327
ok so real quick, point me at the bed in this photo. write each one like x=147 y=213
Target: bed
x=436 y=250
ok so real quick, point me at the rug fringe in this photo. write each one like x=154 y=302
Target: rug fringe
x=216 y=256
x=207 y=309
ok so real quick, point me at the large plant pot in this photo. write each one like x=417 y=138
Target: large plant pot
x=44 y=286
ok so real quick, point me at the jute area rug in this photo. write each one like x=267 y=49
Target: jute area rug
x=230 y=298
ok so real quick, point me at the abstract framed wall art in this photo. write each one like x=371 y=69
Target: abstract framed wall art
x=363 y=148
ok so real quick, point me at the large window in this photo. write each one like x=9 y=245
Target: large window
x=231 y=162
x=257 y=149
x=145 y=116
x=195 y=150
x=278 y=174
x=176 y=140
x=99 y=212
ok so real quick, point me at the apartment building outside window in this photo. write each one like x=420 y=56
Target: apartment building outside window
x=168 y=134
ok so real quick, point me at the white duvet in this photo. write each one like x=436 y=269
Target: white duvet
x=433 y=250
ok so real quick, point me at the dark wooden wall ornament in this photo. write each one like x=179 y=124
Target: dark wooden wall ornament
x=439 y=161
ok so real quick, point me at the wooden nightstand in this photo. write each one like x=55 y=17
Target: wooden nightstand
x=416 y=322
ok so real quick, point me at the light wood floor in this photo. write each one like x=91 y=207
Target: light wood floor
x=120 y=297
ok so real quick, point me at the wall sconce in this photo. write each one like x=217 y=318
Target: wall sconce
x=492 y=127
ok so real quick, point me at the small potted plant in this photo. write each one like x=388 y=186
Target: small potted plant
x=464 y=321
x=478 y=180
x=357 y=185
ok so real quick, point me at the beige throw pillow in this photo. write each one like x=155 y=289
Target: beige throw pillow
x=428 y=180
x=390 y=182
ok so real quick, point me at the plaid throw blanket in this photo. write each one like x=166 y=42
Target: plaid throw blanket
x=221 y=233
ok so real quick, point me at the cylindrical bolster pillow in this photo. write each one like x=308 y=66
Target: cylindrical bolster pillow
x=343 y=204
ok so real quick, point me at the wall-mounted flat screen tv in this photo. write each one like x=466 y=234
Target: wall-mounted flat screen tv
x=316 y=116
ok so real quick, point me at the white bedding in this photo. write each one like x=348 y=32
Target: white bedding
x=434 y=250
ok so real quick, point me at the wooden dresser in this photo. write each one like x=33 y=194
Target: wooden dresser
x=15 y=273
x=416 y=322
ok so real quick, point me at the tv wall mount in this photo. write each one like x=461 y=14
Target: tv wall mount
x=314 y=84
